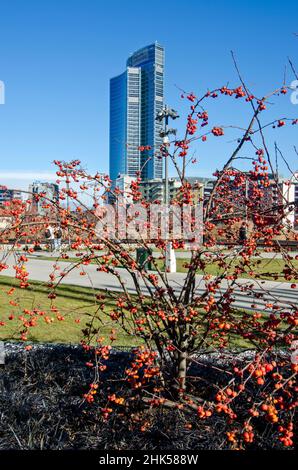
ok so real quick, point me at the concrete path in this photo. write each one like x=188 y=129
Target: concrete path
x=279 y=293
x=179 y=254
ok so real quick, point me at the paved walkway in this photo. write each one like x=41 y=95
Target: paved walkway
x=186 y=254
x=279 y=292
x=179 y=254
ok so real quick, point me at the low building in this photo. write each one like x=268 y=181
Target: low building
x=8 y=195
x=289 y=189
x=43 y=195
x=121 y=188
x=296 y=203
x=279 y=197
x=154 y=189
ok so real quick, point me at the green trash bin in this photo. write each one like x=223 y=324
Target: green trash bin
x=142 y=258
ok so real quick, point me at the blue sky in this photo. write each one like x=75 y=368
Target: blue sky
x=56 y=59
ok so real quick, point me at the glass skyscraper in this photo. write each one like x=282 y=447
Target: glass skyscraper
x=136 y=96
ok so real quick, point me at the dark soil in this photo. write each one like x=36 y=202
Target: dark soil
x=42 y=407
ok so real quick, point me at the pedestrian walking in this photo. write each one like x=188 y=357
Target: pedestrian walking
x=50 y=236
x=243 y=233
x=58 y=238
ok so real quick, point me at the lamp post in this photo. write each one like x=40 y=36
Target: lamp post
x=164 y=115
x=68 y=172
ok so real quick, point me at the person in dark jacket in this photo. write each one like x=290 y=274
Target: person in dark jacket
x=50 y=236
x=243 y=233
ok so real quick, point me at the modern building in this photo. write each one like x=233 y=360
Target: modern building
x=136 y=96
x=278 y=197
x=296 y=201
x=154 y=189
x=121 y=189
x=43 y=195
x=8 y=195
x=289 y=191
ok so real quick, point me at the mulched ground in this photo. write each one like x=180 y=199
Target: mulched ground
x=41 y=407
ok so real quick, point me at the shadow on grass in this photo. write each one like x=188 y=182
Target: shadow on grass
x=69 y=291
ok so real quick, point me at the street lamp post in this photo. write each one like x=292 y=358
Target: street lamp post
x=68 y=172
x=68 y=204
x=164 y=115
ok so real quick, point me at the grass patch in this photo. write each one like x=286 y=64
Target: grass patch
x=265 y=269
x=73 y=303
x=78 y=303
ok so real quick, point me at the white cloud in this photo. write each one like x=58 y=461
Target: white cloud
x=21 y=179
x=23 y=175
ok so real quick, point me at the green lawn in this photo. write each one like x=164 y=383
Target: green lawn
x=73 y=303
x=263 y=269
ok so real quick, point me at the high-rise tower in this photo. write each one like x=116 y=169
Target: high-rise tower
x=136 y=96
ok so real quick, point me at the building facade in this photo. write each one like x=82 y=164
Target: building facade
x=8 y=195
x=296 y=203
x=154 y=189
x=289 y=191
x=278 y=196
x=136 y=96
x=121 y=190
x=43 y=194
